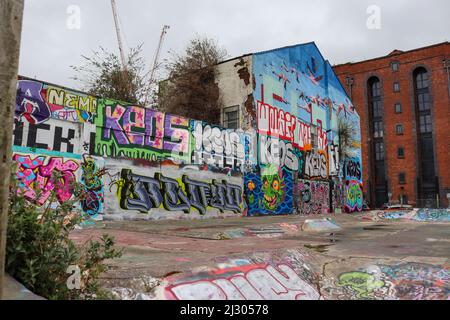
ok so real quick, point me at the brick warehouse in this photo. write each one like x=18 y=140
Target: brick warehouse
x=403 y=100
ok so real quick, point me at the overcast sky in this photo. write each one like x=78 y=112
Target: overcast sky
x=339 y=28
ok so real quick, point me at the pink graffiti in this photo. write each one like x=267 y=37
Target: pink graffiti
x=34 y=175
x=251 y=282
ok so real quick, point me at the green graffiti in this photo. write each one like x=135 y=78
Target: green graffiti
x=272 y=187
x=362 y=283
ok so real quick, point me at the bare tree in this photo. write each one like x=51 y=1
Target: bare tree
x=103 y=75
x=191 y=89
x=11 y=13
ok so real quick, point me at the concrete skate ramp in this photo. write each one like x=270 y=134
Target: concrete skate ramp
x=306 y=275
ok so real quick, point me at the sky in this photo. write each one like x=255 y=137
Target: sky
x=55 y=33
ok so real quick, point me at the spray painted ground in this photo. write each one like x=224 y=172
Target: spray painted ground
x=276 y=258
x=423 y=215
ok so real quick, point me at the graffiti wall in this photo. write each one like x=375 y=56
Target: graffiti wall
x=144 y=163
x=313 y=197
x=261 y=276
x=299 y=103
x=170 y=190
x=405 y=281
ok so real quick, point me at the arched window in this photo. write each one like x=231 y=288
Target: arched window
x=378 y=179
x=427 y=176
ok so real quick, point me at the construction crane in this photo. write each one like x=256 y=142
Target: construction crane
x=119 y=37
x=155 y=62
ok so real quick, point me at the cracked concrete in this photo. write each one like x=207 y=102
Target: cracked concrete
x=161 y=249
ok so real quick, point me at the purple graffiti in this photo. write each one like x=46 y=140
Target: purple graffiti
x=30 y=103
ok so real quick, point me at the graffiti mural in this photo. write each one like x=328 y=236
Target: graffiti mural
x=143 y=193
x=30 y=103
x=35 y=178
x=246 y=282
x=437 y=215
x=338 y=195
x=118 y=151
x=270 y=192
x=405 y=281
x=140 y=133
x=219 y=147
x=53 y=135
x=314 y=197
x=37 y=102
x=91 y=179
x=354 y=196
x=316 y=165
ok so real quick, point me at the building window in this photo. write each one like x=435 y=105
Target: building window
x=395 y=66
x=402 y=178
x=399 y=129
x=377 y=156
x=378 y=129
x=400 y=153
x=398 y=108
x=428 y=187
x=379 y=151
x=425 y=123
x=396 y=87
x=231 y=117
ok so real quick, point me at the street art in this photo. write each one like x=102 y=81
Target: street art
x=333 y=159
x=55 y=136
x=137 y=192
x=418 y=281
x=270 y=192
x=91 y=179
x=291 y=112
x=272 y=187
x=280 y=153
x=69 y=105
x=30 y=104
x=405 y=281
x=338 y=196
x=437 y=215
x=35 y=178
x=353 y=170
x=316 y=165
x=354 y=200
x=140 y=133
x=275 y=122
x=247 y=282
x=37 y=102
x=215 y=146
x=314 y=197
x=362 y=285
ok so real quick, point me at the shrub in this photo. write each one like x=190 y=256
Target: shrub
x=39 y=251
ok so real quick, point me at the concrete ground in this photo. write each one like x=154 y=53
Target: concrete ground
x=410 y=258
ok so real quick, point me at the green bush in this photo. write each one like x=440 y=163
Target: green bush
x=39 y=251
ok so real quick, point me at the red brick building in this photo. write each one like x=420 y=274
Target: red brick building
x=403 y=100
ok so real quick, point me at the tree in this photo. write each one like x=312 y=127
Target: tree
x=103 y=75
x=347 y=132
x=191 y=89
x=11 y=13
